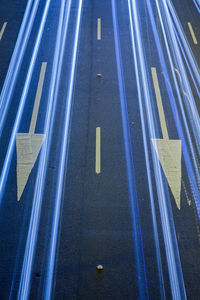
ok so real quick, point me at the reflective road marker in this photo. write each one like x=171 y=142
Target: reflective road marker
x=3 y=29
x=29 y=144
x=98 y=150
x=192 y=33
x=98 y=29
x=169 y=151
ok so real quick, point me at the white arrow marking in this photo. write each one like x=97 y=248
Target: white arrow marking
x=29 y=144
x=169 y=151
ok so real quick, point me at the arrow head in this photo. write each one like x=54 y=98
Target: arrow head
x=169 y=153
x=28 y=148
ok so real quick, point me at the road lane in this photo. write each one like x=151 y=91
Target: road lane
x=15 y=242
x=185 y=211
x=98 y=226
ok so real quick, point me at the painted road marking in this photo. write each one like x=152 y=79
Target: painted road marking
x=192 y=33
x=98 y=29
x=38 y=98
x=98 y=150
x=29 y=144
x=168 y=151
x=3 y=29
x=159 y=103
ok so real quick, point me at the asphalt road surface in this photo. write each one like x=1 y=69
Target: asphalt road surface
x=99 y=149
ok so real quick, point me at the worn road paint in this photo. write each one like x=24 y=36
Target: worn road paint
x=98 y=150
x=192 y=33
x=29 y=144
x=3 y=29
x=169 y=151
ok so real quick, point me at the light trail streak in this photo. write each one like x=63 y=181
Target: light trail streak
x=63 y=163
x=196 y=72
x=137 y=235
x=174 y=109
x=184 y=45
x=147 y=159
x=188 y=65
x=186 y=154
x=16 y=60
x=197 y=5
x=190 y=61
x=173 y=260
x=192 y=110
x=8 y=158
x=179 y=62
x=48 y=128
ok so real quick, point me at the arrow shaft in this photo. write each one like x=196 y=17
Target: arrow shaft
x=38 y=98
x=159 y=104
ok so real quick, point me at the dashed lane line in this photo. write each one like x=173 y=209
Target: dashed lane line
x=3 y=29
x=98 y=150
x=192 y=33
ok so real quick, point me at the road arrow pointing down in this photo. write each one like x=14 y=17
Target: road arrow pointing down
x=28 y=147
x=169 y=151
x=29 y=144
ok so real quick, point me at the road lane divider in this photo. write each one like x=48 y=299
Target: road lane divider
x=192 y=33
x=98 y=151
x=3 y=29
x=168 y=151
x=29 y=144
x=98 y=29
x=177 y=285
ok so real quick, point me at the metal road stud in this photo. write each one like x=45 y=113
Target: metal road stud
x=99 y=267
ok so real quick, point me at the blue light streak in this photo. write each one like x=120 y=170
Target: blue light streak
x=171 y=96
x=179 y=63
x=11 y=146
x=173 y=259
x=147 y=159
x=197 y=5
x=190 y=105
x=63 y=163
x=137 y=235
x=183 y=40
x=16 y=60
x=48 y=128
x=187 y=63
